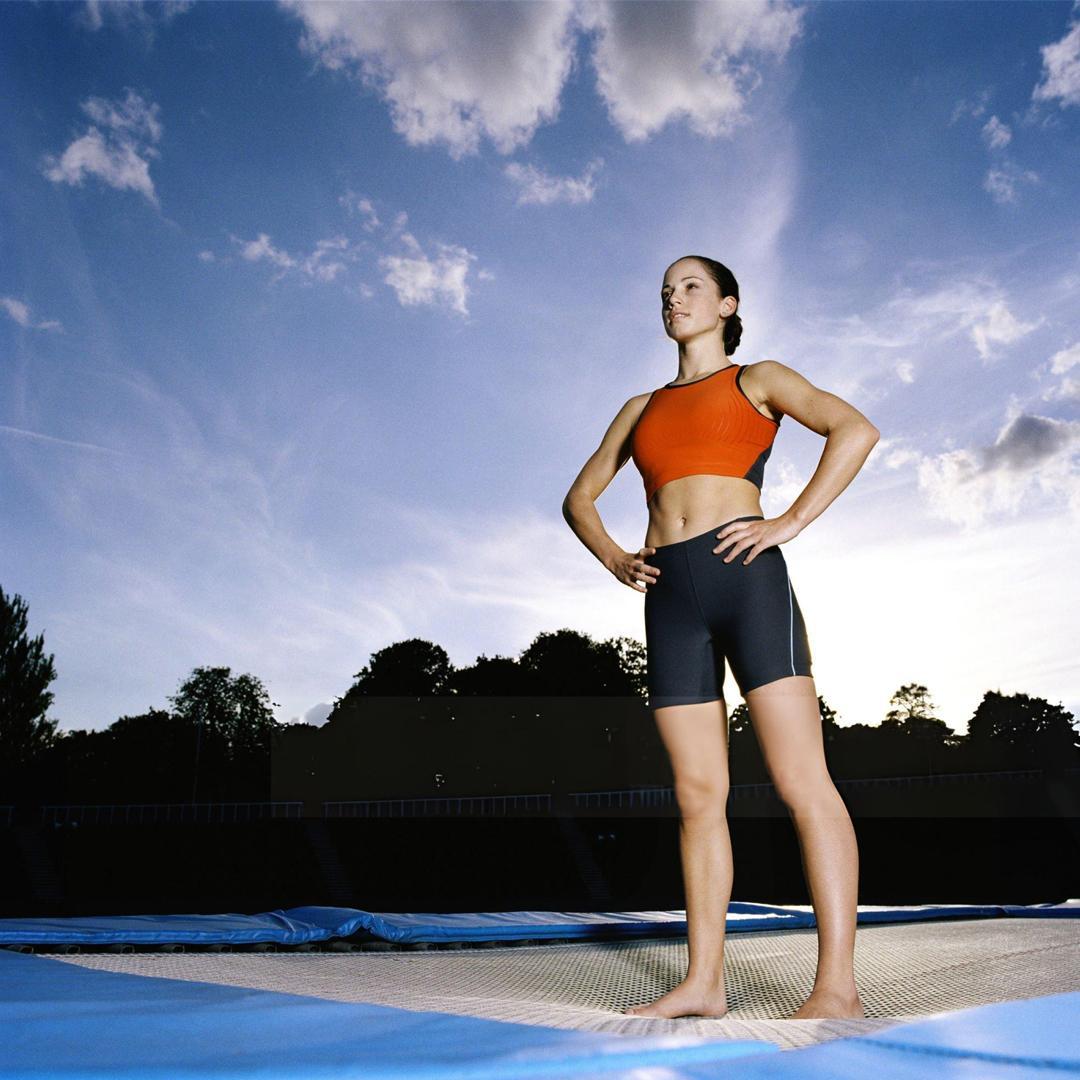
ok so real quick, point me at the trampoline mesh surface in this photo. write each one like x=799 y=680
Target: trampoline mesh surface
x=903 y=970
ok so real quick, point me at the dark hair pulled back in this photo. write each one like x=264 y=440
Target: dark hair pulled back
x=728 y=286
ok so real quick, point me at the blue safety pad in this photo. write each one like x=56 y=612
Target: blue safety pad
x=300 y=925
x=63 y=1022
x=1010 y=1040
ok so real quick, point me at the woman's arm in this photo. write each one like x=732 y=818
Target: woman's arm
x=849 y=436
x=579 y=507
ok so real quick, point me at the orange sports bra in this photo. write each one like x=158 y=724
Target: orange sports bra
x=709 y=425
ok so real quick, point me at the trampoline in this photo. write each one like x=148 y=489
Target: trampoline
x=322 y=992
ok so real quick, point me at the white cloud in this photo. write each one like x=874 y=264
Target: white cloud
x=322 y=264
x=967 y=108
x=416 y=277
x=20 y=312
x=421 y=279
x=358 y=204
x=1065 y=359
x=1031 y=465
x=786 y=481
x=16 y=309
x=1004 y=177
x=1061 y=69
x=37 y=436
x=316 y=715
x=117 y=151
x=1001 y=181
x=862 y=346
x=132 y=118
x=330 y=257
x=897 y=459
x=996 y=133
x=1033 y=461
x=130 y=12
x=452 y=74
x=974 y=306
x=263 y=249
x=537 y=186
x=658 y=62
x=1068 y=388
x=999 y=326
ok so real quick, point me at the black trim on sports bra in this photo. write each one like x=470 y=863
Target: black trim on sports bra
x=675 y=386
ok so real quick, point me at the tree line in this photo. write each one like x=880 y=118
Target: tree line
x=567 y=714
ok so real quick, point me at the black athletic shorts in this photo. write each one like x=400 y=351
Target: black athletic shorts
x=702 y=610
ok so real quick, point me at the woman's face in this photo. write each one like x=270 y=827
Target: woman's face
x=690 y=300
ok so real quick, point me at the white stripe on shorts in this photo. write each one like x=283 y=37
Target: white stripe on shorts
x=791 y=623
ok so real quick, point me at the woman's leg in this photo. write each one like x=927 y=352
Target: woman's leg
x=787 y=723
x=695 y=737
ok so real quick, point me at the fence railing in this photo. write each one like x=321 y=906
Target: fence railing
x=463 y=806
x=222 y=813
x=620 y=799
x=650 y=798
x=625 y=799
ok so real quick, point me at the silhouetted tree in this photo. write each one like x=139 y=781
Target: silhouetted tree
x=570 y=663
x=922 y=736
x=1020 y=731
x=234 y=708
x=152 y=756
x=412 y=668
x=234 y=724
x=630 y=655
x=829 y=727
x=490 y=676
x=77 y=768
x=912 y=709
x=385 y=731
x=25 y=674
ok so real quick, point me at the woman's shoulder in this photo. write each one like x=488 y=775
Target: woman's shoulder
x=766 y=365
x=756 y=380
x=763 y=373
x=631 y=410
x=636 y=405
x=637 y=402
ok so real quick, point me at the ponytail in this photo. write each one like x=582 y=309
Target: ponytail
x=728 y=286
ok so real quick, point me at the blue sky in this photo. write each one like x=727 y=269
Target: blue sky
x=310 y=315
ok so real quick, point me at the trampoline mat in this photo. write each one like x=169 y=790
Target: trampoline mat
x=903 y=970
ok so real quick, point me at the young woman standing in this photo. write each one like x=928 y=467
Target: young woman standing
x=723 y=591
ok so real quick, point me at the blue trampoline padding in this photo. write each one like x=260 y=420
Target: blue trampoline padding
x=300 y=925
x=63 y=1022
x=1010 y=1040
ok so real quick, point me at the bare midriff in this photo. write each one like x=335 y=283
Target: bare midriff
x=692 y=505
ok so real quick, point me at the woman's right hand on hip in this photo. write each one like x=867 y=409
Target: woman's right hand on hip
x=632 y=569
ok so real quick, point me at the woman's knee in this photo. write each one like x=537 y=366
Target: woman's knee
x=702 y=795
x=806 y=790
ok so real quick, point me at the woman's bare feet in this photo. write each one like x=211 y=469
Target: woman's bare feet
x=687 y=999
x=830 y=1004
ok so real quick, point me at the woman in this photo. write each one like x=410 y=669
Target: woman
x=722 y=591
